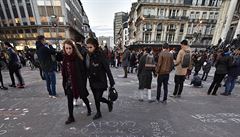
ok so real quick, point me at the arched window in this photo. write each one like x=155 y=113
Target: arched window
x=159 y=27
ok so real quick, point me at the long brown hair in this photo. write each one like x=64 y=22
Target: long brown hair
x=75 y=50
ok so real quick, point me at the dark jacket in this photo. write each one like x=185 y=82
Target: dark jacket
x=13 y=60
x=144 y=75
x=98 y=70
x=80 y=78
x=45 y=58
x=222 y=65
x=126 y=58
x=207 y=67
x=234 y=69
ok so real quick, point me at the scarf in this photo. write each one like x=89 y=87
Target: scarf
x=69 y=65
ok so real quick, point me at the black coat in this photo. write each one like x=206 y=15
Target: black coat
x=81 y=78
x=144 y=75
x=98 y=70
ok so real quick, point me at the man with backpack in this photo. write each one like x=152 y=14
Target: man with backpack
x=183 y=62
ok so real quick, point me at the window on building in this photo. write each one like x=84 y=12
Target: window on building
x=159 y=27
x=29 y=9
x=7 y=9
x=40 y=2
x=204 y=15
x=158 y=37
x=42 y=11
x=50 y=11
x=212 y=30
x=162 y=13
x=197 y=15
x=170 y=38
x=22 y=12
x=192 y=16
x=184 y=13
x=1 y=13
x=182 y=28
x=211 y=16
x=189 y=29
x=216 y=15
x=58 y=11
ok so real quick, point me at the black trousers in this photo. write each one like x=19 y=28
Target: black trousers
x=98 y=97
x=179 y=81
x=204 y=76
x=70 y=104
x=18 y=75
x=125 y=71
x=162 y=79
x=216 y=83
x=1 y=78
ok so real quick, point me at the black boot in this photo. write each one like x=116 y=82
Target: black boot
x=110 y=106
x=70 y=120
x=97 y=116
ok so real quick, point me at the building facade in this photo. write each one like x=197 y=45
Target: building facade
x=159 y=21
x=228 y=23
x=22 y=21
x=106 y=41
x=119 y=19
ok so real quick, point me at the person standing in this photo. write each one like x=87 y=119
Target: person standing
x=164 y=67
x=222 y=65
x=45 y=56
x=125 y=61
x=74 y=78
x=181 y=70
x=2 y=61
x=14 y=66
x=233 y=73
x=145 y=70
x=98 y=70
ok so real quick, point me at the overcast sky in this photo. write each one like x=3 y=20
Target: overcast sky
x=101 y=14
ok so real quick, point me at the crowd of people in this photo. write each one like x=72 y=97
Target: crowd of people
x=79 y=62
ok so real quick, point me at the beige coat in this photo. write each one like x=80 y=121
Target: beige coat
x=179 y=70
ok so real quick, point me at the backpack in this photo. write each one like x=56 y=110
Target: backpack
x=186 y=59
x=150 y=64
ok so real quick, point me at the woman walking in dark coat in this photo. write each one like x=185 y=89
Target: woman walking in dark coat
x=98 y=69
x=74 y=78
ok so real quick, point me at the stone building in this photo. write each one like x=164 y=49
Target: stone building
x=228 y=22
x=159 y=21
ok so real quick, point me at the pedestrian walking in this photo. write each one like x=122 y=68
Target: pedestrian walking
x=98 y=70
x=183 y=63
x=222 y=65
x=74 y=73
x=14 y=66
x=164 y=67
x=2 y=60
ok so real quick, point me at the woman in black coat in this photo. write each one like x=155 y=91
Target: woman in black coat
x=98 y=69
x=74 y=78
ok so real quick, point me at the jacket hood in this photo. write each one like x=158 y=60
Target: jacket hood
x=186 y=48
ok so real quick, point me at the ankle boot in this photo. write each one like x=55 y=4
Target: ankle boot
x=97 y=116
x=88 y=110
x=70 y=120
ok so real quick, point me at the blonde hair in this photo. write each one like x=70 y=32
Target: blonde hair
x=75 y=50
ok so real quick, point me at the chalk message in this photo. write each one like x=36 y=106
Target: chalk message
x=223 y=118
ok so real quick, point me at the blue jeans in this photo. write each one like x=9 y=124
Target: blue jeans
x=230 y=83
x=162 y=79
x=51 y=82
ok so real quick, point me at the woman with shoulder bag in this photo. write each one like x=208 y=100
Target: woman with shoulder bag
x=74 y=78
x=98 y=69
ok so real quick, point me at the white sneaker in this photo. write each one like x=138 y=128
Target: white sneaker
x=50 y=96
x=54 y=97
x=75 y=102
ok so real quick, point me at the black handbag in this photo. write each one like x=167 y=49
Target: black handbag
x=112 y=94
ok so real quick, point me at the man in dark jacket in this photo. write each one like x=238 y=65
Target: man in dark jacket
x=233 y=73
x=14 y=66
x=45 y=56
x=164 y=67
